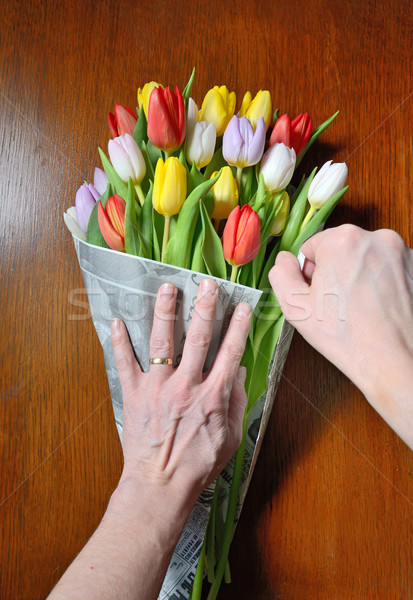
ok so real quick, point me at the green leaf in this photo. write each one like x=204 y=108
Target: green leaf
x=93 y=234
x=212 y=247
x=132 y=244
x=318 y=219
x=276 y=115
x=315 y=134
x=145 y=227
x=295 y=218
x=217 y=162
x=119 y=186
x=195 y=178
x=187 y=89
x=154 y=154
x=198 y=263
x=178 y=250
x=158 y=222
x=140 y=132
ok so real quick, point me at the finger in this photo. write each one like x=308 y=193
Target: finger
x=290 y=287
x=200 y=331
x=236 y=407
x=125 y=361
x=229 y=355
x=162 y=336
x=310 y=246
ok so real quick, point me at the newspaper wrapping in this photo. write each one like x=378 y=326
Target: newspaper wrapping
x=125 y=286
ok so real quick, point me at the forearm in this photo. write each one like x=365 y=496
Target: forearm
x=129 y=553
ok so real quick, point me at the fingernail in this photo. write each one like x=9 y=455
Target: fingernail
x=167 y=291
x=208 y=287
x=241 y=375
x=243 y=310
x=116 y=325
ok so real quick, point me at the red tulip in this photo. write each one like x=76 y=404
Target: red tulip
x=294 y=134
x=242 y=236
x=281 y=133
x=122 y=120
x=300 y=132
x=112 y=222
x=166 y=119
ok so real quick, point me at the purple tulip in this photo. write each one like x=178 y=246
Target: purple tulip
x=100 y=181
x=242 y=146
x=85 y=201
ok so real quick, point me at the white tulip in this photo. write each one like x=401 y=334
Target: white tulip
x=200 y=142
x=330 y=179
x=277 y=167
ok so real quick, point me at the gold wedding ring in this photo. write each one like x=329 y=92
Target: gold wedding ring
x=160 y=361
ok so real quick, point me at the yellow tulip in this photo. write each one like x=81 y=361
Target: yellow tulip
x=226 y=195
x=260 y=106
x=218 y=107
x=144 y=93
x=280 y=220
x=169 y=186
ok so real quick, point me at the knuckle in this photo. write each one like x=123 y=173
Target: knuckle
x=161 y=344
x=391 y=239
x=123 y=363
x=199 y=340
x=234 y=350
x=164 y=314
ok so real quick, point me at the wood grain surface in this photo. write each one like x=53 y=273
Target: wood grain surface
x=329 y=513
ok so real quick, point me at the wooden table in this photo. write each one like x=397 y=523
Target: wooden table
x=329 y=513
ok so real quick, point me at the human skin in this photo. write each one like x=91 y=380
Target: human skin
x=353 y=302
x=180 y=427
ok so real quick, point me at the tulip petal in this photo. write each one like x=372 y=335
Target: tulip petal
x=110 y=235
x=69 y=218
x=257 y=144
x=100 y=181
x=84 y=203
x=281 y=132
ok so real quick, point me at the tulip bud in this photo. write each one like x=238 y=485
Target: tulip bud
x=127 y=158
x=218 y=107
x=145 y=93
x=112 y=222
x=294 y=134
x=225 y=192
x=86 y=197
x=100 y=181
x=192 y=113
x=300 y=132
x=280 y=220
x=200 y=143
x=329 y=180
x=169 y=186
x=241 y=236
x=277 y=167
x=166 y=119
x=281 y=133
x=241 y=145
x=259 y=107
x=122 y=120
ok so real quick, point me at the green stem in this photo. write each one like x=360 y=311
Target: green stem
x=139 y=193
x=210 y=536
x=217 y=223
x=167 y=154
x=239 y=173
x=234 y=273
x=307 y=218
x=165 y=235
x=199 y=575
x=230 y=517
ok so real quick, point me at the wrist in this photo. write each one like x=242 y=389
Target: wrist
x=138 y=504
x=390 y=391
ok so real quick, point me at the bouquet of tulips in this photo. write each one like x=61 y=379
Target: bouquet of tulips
x=210 y=190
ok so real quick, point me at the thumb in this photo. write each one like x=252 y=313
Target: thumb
x=290 y=287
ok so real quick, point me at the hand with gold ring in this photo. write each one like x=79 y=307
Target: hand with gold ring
x=181 y=426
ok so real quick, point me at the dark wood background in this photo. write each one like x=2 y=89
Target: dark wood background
x=329 y=512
